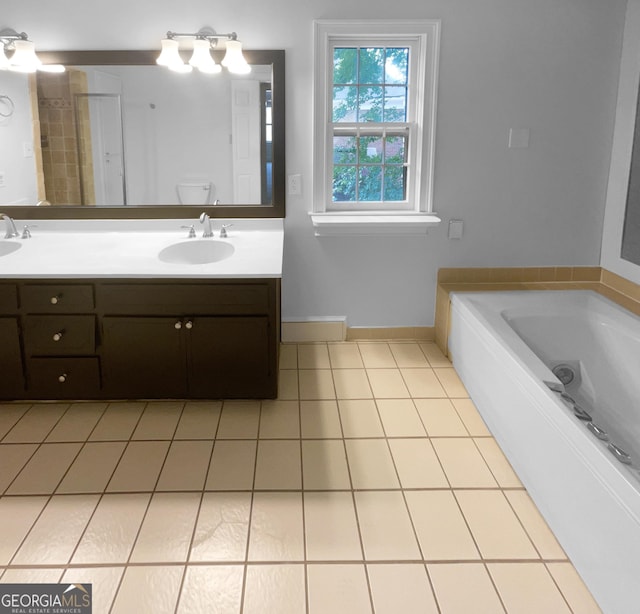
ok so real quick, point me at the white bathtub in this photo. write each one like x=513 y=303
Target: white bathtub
x=504 y=345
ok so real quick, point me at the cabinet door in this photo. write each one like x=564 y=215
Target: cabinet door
x=144 y=357
x=11 y=373
x=229 y=357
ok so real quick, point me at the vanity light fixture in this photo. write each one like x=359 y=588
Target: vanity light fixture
x=205 y=40
x=23 y=58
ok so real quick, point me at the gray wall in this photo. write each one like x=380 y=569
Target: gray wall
x=623 y=258
x=548 y=65
x=19 y=171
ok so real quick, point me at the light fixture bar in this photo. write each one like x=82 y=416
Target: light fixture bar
x=206 y=39
x=203 y=34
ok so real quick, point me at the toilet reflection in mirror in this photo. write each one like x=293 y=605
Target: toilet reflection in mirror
x=194 y=193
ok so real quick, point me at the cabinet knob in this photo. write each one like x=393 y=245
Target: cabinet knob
x=189 y=324
x=58 y=336
x=177 y=325
x=54 y=300
x=62 y=378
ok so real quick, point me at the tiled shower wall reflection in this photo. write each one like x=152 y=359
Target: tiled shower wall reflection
x=59 y=137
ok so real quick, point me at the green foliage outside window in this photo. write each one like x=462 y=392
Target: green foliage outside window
x=369 y=86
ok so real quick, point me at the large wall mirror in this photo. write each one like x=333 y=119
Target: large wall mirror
x=117 y=136
x=630 y=249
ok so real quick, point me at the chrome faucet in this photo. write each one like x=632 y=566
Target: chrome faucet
x=206 y=223
x=11 y=231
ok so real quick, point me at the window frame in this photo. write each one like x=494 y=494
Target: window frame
x=423 y=37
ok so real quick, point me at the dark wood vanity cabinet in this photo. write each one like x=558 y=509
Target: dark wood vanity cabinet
x=60 y=340
x=11 y=366
x=187 y=356
x=140 y=339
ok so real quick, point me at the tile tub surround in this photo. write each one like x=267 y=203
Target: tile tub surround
x=614 y=287
x=361 y=489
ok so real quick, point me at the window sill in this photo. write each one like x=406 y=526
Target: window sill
x=350 y=224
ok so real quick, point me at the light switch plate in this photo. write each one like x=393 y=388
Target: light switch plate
x=519 y=138
x=294 y=185
x=455 y=229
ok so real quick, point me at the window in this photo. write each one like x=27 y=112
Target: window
x=375 y=93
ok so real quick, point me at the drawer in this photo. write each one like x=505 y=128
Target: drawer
x=8 y=298
x=183 y=299
x=59 y=335
x=63 y=378
x=56 y=298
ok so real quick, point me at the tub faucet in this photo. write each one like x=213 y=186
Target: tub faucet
x=206 y=223
x=11 y=231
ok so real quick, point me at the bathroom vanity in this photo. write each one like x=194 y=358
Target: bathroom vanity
x=98 y=314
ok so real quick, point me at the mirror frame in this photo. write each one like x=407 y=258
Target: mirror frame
x=273 y=57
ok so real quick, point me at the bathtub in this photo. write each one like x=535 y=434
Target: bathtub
x=556 y=377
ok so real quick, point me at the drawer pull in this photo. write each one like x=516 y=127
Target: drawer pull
x=177 y=325
x=55 y=299
x=189 y=324
x=57 y=336
x=62 y=378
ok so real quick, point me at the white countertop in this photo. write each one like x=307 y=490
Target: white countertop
x=129 y=248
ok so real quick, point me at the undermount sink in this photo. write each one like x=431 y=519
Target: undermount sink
x=196 y=252
x=8 y=247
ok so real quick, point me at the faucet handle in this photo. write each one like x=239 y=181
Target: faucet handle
x=26 y=233
x=192 y=231
x=223 y=230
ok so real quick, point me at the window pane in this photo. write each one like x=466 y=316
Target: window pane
x=345 y=65
x=396 y=65
x=371 y=69
x=344 y=150
x=344 y=183
x=395 y=150
x=370 y=149
x=395 y=104
x=345 y=100
x=370 y=104
x=395 y=183
x=370 y=183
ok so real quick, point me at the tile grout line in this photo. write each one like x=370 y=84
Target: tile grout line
x=100 y=499
x=404 y=498
x=38 y=444
x=146 y=512
x=202 y=494
x=302 y=497
x=245 y=568
x=355 y=507
x=49 y=496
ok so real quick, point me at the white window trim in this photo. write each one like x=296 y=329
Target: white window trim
x=420 y=215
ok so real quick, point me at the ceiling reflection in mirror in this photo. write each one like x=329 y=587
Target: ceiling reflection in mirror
x=133 y=134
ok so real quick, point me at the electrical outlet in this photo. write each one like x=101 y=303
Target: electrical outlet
x=294 y=183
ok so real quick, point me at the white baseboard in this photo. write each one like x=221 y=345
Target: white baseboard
x=317 y=329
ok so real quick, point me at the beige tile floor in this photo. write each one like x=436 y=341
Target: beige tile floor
x=370 y=485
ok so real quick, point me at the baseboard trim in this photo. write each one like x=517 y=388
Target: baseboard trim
x=419 y=333
x=335 y=329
